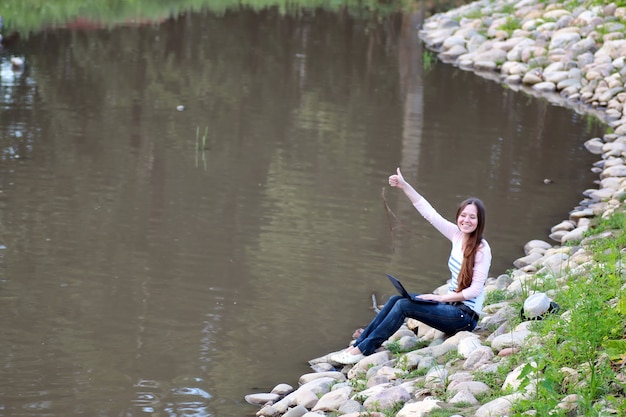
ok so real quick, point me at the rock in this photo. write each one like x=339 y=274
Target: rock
x=282 y=389
x=574 y=235
x=387 y=398
x=338 y=376
x=463 y=397
x=306 y=398
x=512 y=339
x=499 y=407
x=594 y=146
x=268 y=411
x=545 y=86
x=436 y=377
x=508 y=351
x=333 y=400
x=297 y=411
x=513 y=380
x=261 y=398
x=419 y=409
x=527 y=260
x=536 y=243
x=467 y=345
x=473 y=387
x=478 y=357
x=350 y=406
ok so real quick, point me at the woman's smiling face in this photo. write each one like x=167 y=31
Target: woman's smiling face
x=468 y=219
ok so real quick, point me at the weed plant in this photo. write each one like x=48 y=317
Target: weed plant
x=428 y=61
x=201 y=145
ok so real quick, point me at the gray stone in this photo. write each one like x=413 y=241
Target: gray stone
x=419 y=409
x=473 y=387
x=336 y=375
x=387 y=398
x=332 y=400
x=306 y=398
x=545 y=87
x=499 y=407
x=468 y=345
x=478 y=357
x=261 y=398
x=351 y=406
x=594 y=146
x=511 y=339
x=527 y=260
x=297 y=411
x=463 y=397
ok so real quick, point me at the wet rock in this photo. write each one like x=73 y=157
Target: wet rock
x=261 y=398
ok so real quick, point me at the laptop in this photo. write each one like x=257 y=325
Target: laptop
x=403 y=292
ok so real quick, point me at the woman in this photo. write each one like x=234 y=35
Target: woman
x=469 y=262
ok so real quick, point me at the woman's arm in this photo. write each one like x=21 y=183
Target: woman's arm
x=445 y=227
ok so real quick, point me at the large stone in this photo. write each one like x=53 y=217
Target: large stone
x=419 y=409
x=536 y=243
x=499 y=407
x=564 y=39
x=387 y=398
x=478 y=357
x=332 y=401
x=575 y=235
x=496 y=56
x=306 y=398
x=261 y=398
x=594 y=146
x=512 y=339
x=468 y=345
x=527 y=260
x=282 y=389
x=339 y=376
x=297 y=411
x=556 y=77
x=474 y=387
x=532 y=77
x=545 y=87
x=463 y=397
x=455 y=40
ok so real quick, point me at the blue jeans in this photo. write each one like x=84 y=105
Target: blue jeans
x=444 y=317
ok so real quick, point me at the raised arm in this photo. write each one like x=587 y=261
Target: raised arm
x=398 y=181
x=445 y=227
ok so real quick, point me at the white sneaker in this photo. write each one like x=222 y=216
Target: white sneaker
x=346 y=358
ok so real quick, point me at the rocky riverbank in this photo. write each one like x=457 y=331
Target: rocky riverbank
x=569 y=53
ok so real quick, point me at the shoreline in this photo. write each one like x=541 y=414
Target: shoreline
x=573 y=56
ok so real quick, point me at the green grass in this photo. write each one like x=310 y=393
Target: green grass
x=511 y=24
x=495 y=296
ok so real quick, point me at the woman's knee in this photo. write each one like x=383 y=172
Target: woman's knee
x=403 y=305
x=393 y=300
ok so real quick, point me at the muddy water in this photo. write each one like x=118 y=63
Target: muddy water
x=190 y=211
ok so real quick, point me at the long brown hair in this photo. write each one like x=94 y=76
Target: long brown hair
x=472 y=243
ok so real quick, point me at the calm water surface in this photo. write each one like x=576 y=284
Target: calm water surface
x=159 y=261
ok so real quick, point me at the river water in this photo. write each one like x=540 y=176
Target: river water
x=191 y=210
